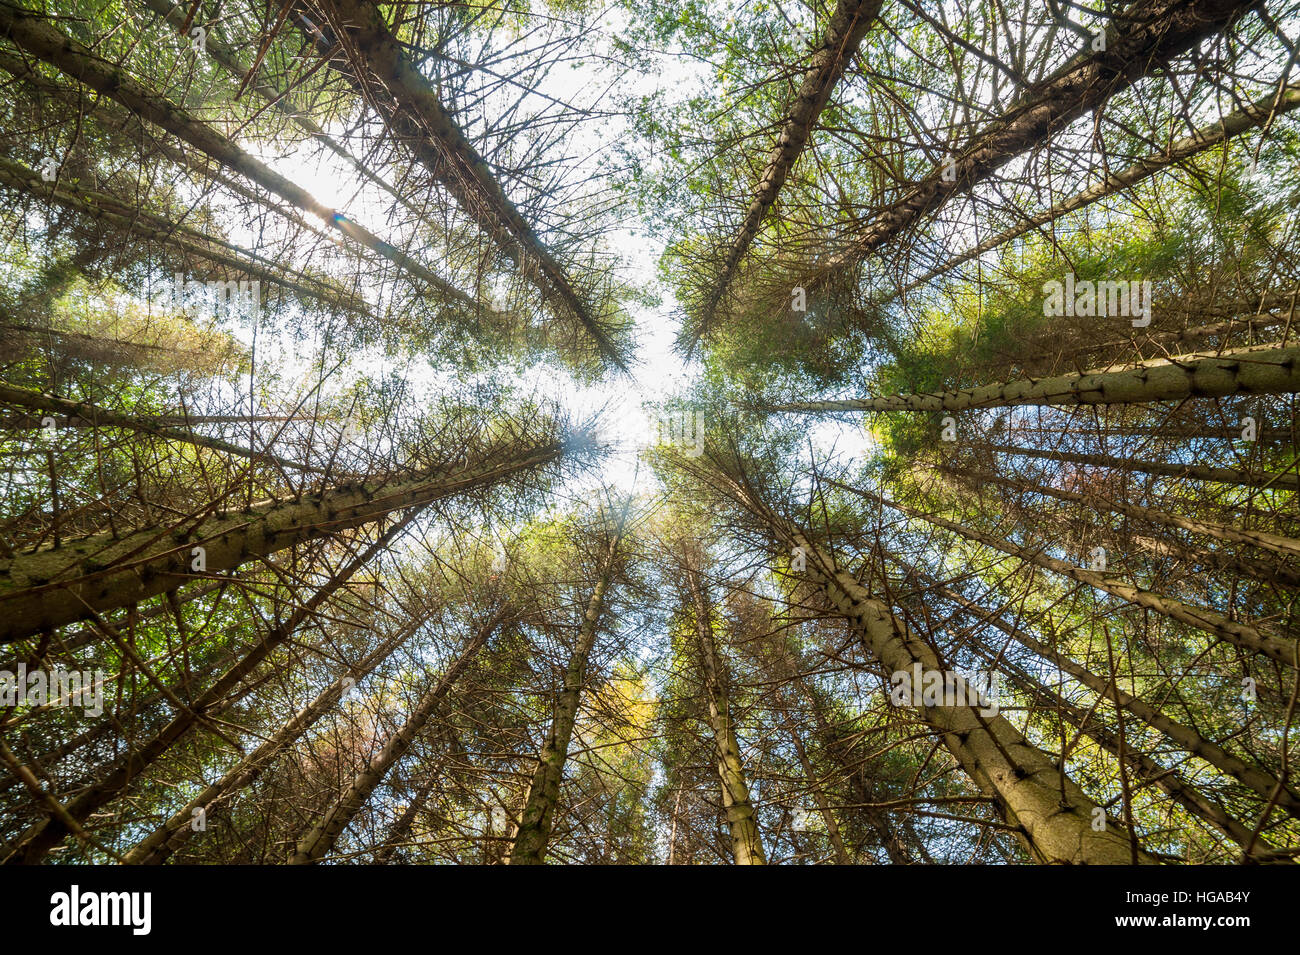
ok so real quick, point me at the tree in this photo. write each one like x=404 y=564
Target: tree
x=970 y=536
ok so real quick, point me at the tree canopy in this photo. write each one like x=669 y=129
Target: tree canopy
x=674 y=432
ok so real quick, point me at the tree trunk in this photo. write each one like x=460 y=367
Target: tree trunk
x=1276 y=103
x=157 y=847
x=320 y=839
x=1277 y=543
x=819 y=794
x=112 y=725
x=1197 y=472
x=67 y=645
x=412 y=110
x=1145 y=34
x=56 y=586
x=746 y=844
x=41 y=39
x=1052 y=815
x=848 y=25
x=1267 y=371
x=1209 y=621
x=102 y=417
x=1253 y=777
x=167 y=234
x=405 y=822
x=537 y=818
x=1151 y=772
x=177 y=17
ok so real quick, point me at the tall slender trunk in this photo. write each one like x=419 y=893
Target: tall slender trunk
x=176 y=15
x=1168 y=780
x=1242 y=635
x=33 y=422
x=746 y=844
x=320 y=839
x=1253 y=371
x=34 y=400
x=1146 y=33
x=400 y=829
x=1276 y=103
x=1265 y=540
x=1214 y=565
x=856 y=774
x=844 y=33
x=121 y=215
x=1052 y=815
x=672 y=835
x=1196 y=472
x=1166 y=546
x=1253 y=777
x=111 y=725
x=538 y=816
x=1265 y=434
x=1246 y=318
x=33 y=33
x=413 y=111
x=58 y=585
x=126 y=125
x=819 y=795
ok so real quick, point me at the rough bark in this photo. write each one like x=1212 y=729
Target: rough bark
x=1187 y=738
x=36 y=843
x=415 y=113
x=40 y=38
x=538 y=816
x=1052 y=815
x=1254 y=114
x=58 y=585
x=1254 y=371
x=69 y=644
x=746 y=844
